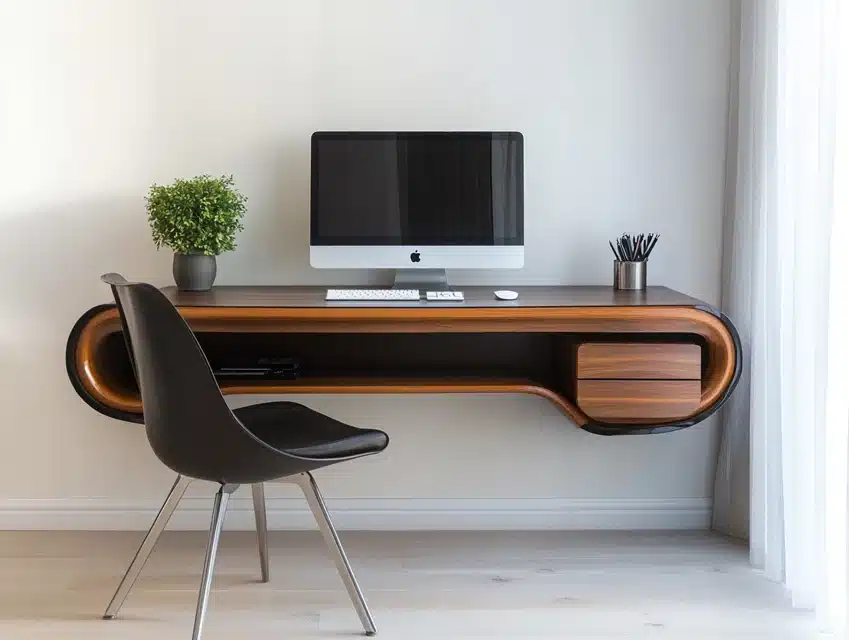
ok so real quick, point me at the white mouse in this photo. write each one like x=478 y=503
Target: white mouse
x=506 y=295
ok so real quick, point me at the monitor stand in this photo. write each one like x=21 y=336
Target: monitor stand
x=423 y=279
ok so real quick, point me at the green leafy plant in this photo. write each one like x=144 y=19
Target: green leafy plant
x=201 y=215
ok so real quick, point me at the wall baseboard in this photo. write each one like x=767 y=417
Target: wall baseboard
x=378 y=514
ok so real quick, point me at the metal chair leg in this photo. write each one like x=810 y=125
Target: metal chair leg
x=219 y=511
x=261 y=528
x=319 y=510
x=147 y=545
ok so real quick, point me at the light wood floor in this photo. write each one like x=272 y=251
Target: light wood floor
x=419 y=585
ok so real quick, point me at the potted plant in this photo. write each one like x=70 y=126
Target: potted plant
x=198 y=219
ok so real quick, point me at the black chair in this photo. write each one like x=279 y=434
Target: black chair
x=194 y=433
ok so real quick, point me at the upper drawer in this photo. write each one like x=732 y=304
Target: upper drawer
x=639 y=361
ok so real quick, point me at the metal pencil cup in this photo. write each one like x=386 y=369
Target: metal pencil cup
x=630 y=276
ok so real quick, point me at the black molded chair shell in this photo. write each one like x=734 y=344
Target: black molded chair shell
x=189 y=425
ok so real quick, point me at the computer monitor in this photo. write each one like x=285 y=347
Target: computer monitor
x=417 y=200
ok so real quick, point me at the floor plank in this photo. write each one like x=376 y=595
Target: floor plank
x=437 y=584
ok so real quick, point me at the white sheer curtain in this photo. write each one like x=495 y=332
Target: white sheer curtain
x=786 y=285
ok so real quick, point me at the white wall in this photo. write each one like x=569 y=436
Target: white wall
x=622 y=104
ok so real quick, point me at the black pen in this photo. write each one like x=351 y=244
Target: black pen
x=651 y=246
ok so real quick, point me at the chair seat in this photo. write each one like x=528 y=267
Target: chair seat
x=298 y=430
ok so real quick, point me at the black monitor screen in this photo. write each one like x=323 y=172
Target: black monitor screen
x=417 y=189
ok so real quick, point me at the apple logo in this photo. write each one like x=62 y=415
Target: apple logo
x=415 y=256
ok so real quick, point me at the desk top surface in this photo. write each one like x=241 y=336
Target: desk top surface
x=476 y=297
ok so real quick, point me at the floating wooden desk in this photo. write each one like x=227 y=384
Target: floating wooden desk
x=614 y=362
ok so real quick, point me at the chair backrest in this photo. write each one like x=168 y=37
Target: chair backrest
x=189 y=425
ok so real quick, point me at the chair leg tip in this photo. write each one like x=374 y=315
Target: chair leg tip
x=107 y=616
x=371 y=633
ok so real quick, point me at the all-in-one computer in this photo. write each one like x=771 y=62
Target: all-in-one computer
x=418 y=203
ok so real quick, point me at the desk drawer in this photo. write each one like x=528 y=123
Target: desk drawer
x=626 y=400
x=639 y=361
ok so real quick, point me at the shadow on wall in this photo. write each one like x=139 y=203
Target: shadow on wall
x=281 y=222
x=50 y=264
x=53 y=257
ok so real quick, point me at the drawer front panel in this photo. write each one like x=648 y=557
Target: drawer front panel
x=635 y=361
x=624 y=400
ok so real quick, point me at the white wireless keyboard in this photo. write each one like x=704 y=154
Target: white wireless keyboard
x=445 y=296
x=368 y=295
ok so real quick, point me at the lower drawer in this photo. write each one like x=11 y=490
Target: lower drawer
x=624 y=400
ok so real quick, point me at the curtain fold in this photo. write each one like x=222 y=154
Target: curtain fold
x=784 y=452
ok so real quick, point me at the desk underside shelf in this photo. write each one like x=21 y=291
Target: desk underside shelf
x=614 y=363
